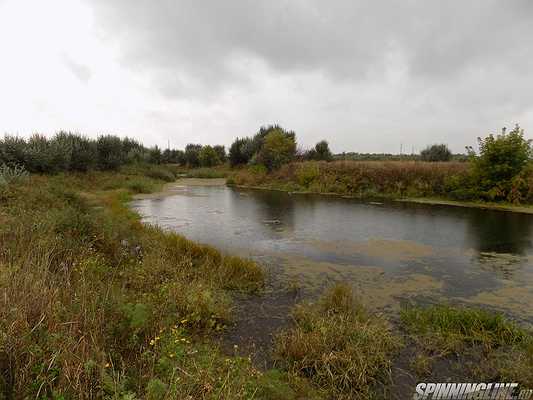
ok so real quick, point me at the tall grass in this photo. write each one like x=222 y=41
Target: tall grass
x=93 y=304
x=358 y=178
x=501 y=350
x=335 y=343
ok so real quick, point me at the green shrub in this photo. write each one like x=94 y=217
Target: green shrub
x=109 y=152
x=192 y=153
x=155 y=155
x=161 y=173
x=279 y=148
x=139 y=185
x=436 y=152
x=12 y=150
x=307 y=173
x=208 y=157
x=320 y=152
x=501 y=159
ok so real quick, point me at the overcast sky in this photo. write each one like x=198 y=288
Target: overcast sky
x=367 y=76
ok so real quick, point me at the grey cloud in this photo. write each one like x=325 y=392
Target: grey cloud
x=344 y=38
x=467 y=60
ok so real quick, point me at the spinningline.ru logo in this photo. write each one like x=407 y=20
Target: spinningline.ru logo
x=487 y=391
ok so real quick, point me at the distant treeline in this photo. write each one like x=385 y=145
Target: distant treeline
x=67 y=151
x=501 y=169
x=271 y=147
x=353 y=156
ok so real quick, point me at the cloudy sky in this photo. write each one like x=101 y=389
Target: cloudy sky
x=368 y=76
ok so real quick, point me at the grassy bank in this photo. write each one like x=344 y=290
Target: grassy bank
x=96 y=305
x=474 y=343
x=393 y=179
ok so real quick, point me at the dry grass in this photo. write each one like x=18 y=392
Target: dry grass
x=358 y=178
x=93 y=304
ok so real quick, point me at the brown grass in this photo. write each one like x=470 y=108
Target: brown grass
x=358 y=178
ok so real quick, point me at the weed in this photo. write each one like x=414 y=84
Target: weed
x=495 y=347
x=337 y=345
x=358 y=178
x=89 y=296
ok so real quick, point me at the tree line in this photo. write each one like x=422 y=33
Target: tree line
x=68 y=151
x=501 y=169
x=272 y=146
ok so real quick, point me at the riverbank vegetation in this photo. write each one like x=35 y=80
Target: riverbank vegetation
x=356 y=178
x=95 y=304
x=476 y=342
x=501 y=171
x=345 y=351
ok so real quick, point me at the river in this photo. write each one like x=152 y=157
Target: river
x=391 y=252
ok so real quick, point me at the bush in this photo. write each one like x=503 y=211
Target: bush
x=155 y=155
x=238 y=153
x=160 y=172
x=192 y=152
x=12 y=150
x=501 y=159
x=109 y=152
x=279 y=148
x=436 y=152
x=208 y=157
x=307 y=173
x=221 y=153
x=321 y=152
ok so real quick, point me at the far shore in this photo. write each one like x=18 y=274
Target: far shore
x=178 y=186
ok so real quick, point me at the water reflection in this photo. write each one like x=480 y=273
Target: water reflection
x=458 y=253
x=492 y=231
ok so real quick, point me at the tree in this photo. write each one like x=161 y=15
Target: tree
x=278 y=148
x=501 y=158
x=12 y=150
x=221 y=153
x=109 y=152
x=191 y=155
x=238 y=153
x=208 y=157
x=320 y=152
x=178 y=157
x=436 y=152
x=155 y=156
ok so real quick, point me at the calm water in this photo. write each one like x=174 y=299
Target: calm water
x=391 y=252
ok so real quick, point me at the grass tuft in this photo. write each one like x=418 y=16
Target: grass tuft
x=338 y=346
x=488 y=346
